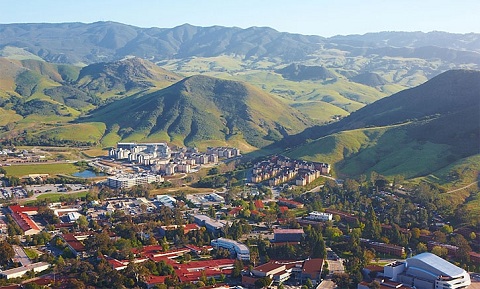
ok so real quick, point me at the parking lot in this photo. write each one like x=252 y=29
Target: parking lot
x=21 y=193
x=13 y=192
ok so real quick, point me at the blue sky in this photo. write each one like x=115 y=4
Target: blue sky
x=316 y=17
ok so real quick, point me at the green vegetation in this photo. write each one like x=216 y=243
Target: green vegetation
x=31 y=254
x=51 y=169
x=233 y=111
x=54 y=197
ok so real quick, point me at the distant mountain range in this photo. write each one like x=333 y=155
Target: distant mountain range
x=107 y=41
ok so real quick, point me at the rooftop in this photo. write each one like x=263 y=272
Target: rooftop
x=446 y=268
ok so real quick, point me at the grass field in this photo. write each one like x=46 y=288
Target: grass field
x=55 y=197
x=51 y=169
x=31 y=254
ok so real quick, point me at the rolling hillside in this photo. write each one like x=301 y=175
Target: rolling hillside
x=415 y=132
x=201 y=110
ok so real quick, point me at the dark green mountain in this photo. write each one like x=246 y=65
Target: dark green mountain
x=369 y=78
x=298 y=72
x=201 y=110
x=124 y=76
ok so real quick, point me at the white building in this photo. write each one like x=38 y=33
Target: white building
x=128 y=181
x=320 y=216
x=242 y=251
x=20 y=271
x=427 y=271
x=167 y=200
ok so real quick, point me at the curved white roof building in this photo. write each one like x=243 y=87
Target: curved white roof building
x=242 y=251
x=428 y=271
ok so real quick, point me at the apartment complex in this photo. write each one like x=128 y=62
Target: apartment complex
x=279 y=169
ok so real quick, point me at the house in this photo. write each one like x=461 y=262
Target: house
x=319 y=216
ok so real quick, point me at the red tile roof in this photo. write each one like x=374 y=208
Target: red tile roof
x=22 y=219
x=259 y=204
x=152 y=279
x=313 y=267
x=73 y=242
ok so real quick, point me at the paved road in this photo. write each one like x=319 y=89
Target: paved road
x=335 y=266
x=326 y=284
x=20 y=256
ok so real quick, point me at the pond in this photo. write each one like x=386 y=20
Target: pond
x=87 y=174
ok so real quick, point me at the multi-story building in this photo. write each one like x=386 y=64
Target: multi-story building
x=130 y=180
x=427 y=271
x=241 y=250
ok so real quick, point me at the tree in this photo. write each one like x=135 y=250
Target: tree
x=342 y=280
x=263 y=282
x=237 y=268
x=6 y=253
x=82 y=223
x=309 y=283
x=373 y=228
x=473 y=236
x=464 y=249
x=421 y=247
x=447 y=229
x=374 y=285
x=439 y=251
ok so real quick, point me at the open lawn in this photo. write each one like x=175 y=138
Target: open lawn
x=51 y=169
x=55 y=197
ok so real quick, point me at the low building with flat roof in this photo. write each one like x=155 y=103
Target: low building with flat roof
x=20 y=271
x=287 y=235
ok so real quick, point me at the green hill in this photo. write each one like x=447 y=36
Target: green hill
x=200 y=110
x=415 y=132
x=124 y=77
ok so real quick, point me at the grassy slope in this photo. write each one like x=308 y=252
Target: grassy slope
x=90 y=132
x=386 y=150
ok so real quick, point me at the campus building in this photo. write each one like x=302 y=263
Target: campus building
x=319 y=216
x=130 y=180
x=241 y=250
x=287 y=235
x=212 y=225
x=21 y=215
x=427 y=271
